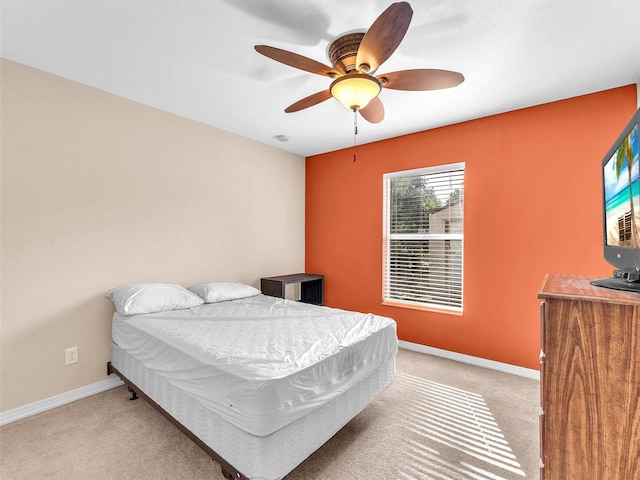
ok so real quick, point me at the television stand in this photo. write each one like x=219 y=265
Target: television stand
x=589 y=381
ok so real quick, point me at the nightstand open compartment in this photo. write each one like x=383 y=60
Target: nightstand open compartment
x=311 y=286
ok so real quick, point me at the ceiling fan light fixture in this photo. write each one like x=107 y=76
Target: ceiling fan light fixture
x=355 y=90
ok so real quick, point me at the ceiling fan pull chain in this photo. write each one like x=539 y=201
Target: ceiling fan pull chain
x=355 y=131
x=355 y=125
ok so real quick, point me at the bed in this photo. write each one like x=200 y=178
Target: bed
x=258 y=382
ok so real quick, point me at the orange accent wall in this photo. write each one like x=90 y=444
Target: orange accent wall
x=532 y=206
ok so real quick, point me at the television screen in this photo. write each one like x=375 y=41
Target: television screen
x=622 y=194
x=621 y=209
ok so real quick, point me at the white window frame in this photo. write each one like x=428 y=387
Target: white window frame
x=388 y=298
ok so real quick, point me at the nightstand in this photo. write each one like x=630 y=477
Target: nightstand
x=311 y=286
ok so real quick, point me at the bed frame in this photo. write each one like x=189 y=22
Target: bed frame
x=228 y=471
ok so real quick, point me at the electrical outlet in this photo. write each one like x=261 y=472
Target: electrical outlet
x=71 y=355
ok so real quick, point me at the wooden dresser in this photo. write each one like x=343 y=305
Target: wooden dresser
x=589 y=381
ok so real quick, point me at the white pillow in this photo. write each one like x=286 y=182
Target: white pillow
x=137 y=298
x=213 y=292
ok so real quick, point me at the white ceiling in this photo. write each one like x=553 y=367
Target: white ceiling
x=195 y=58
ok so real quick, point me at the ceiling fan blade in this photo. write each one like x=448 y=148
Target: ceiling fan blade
x=421 y=79
x=374 y=112
x=309 y=101
x=296 y=61
x=384 y=36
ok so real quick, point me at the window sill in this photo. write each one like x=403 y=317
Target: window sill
x=423 y=307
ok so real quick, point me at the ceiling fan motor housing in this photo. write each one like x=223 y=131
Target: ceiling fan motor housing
x=343 y=52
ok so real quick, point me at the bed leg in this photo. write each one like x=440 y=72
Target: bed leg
x=226 y=475
x=134 y=394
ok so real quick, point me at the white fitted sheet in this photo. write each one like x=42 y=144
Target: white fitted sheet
x=261 y=362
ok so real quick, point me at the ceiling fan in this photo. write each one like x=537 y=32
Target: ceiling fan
x=355 y=58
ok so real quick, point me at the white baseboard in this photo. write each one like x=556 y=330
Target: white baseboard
x=58 y=400
x=477 y=361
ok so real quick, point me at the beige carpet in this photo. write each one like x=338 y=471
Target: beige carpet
x=439 y=420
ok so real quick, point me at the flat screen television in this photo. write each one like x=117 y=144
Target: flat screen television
x=621 y=209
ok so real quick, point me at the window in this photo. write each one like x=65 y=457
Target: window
x=423 y=238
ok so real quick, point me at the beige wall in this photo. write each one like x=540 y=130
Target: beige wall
x=98 y=191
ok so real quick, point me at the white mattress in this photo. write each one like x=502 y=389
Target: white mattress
x=261 y=362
